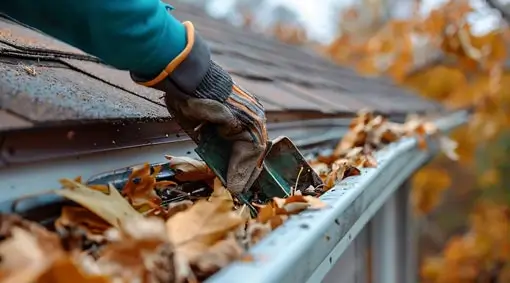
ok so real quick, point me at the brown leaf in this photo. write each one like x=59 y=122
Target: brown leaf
x=10 y=221
x=204 y=224
x=220 y=192
x=315 y=203
x=111 y=207
x=189 y=169
x=82 y=218
x=176 y=207
x=219 y=255
x=297 y=203
x=277 y=220
x=369 y=161
x=139 y=251
x=341 y=169
x=320 y=168
x=141 y=193
x=64 y=270
x=356 y=136
x=295 y=207
x=256 y=231
x=35 y=257
x=265 y=213
x=23 y=259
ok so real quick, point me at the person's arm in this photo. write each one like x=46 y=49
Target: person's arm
x=136 y=35
x=162 y=53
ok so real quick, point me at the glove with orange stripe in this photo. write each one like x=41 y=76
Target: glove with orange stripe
x=198 y=92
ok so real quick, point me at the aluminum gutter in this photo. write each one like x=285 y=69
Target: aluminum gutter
x=27 y=178
x=307 y=246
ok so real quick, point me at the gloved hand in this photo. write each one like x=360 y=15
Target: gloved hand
x=198 y=92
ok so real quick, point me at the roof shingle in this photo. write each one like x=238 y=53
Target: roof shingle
x=70 y=85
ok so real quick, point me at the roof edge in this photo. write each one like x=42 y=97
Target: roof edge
x=305 y=246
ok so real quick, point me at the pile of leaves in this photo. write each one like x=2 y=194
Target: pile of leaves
x=369 y=133
x=107 y=235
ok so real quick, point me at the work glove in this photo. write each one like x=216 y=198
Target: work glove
x=199 y=92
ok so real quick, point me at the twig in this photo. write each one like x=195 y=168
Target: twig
x=297 y=181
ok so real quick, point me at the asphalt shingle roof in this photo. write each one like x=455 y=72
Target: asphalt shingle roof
x=70 y=86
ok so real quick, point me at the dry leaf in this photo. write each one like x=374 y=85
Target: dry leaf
x=10 y=221
x=320 y=168
x=448 y=147
x=176 y=207
x=256 y=231
x=220 y=192
x=139 y=251
x=140 y=189
x=30 y=257
x=219 y=255
x=64 y=270
x=266 y=212
x=24 y=258
x=195 y=230
x=341 y=169
x=189 y=169
x=315 y=203
x=297 y=203
x=244 y=212
x=82 y=218
x=111 y=207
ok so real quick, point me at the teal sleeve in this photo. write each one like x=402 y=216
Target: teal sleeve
x=136 y=35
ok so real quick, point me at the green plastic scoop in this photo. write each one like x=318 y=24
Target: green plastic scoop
x=282 y=166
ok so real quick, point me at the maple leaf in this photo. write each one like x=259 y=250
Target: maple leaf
x=111 y=206
x=140 y=189
x=198 y=228
x=189 y=169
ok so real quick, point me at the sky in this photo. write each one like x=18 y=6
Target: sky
x=319 y=17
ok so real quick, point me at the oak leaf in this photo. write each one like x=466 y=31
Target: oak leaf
x=111 y=207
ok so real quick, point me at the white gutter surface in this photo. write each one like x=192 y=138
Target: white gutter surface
x=307 y=245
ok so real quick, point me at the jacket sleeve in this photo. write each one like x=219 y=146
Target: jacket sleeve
x=136 y=35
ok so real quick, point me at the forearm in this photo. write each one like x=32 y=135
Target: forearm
x=135 y=35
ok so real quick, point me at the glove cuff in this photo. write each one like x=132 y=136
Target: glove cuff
x=192 y=73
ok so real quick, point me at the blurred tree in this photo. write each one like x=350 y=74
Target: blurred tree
x=443 y=56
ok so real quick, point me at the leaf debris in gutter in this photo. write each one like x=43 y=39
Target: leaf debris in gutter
x=134 y=236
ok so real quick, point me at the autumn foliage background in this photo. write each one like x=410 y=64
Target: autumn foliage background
x=463 y=207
